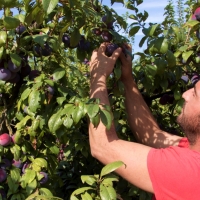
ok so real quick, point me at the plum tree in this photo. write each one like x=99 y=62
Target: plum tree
x=5 y=139
x=46 y=50
x=66 y=40
x=45 y=178
x=110 y=48
x=3 y=175
x=97 y=31
x=15 y=79
x=25 y=70
x=5 y=74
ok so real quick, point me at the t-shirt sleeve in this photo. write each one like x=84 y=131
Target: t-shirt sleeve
x=169 y=169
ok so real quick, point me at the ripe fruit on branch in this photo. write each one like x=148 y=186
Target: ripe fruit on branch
x=110 y=48
x=33 y=74
x=16 y=79
x=185 y=78
x=66 y=40
x=5 y=163
x=196 y=15
x=46 y=50
x=50 y=90
x=97 y=31
x=5 y=74
x=3 y=175
x=17 y=163
x=45 y=178
x=5 y=139
x=20 y=29
x=195 y=78
x=106 y=36
x=12 y=67
x=25 y=71
x=83 y=44
x=108 y=21
x=166 y=99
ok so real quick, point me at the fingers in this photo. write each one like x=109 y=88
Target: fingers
x=102 y=48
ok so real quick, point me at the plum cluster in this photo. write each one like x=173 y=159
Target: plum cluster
x=83 y=44
x=166 y=99
x=106 y=28
x=9 y=72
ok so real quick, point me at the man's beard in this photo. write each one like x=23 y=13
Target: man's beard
x=190 y=126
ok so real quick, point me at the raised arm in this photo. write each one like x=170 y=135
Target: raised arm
x=105 y=144
x=140 y=118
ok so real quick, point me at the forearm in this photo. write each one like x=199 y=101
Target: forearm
x=142 y=122
x=100 y=138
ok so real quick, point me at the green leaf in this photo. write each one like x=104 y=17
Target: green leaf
x=186 y=55
x=40 y=39
x=25 y=94
x=34 y=100
x=106 y=118
x=68 y=122
x=15 y=59
x=171 y=59
x=134 y=30
x=31 y=186
x=89 y=179
x=23 y=122
x=75 y=37
x=3 y=38
x=29 y=175
x=1 y=52
x=11 y=22
x=45 y=191
x=58 y=74
x=95 y=120
x=79 y=191
x=86 y=196
x=41 y=162
x=60 y=100
x=49 y=5
x=107 y=191
x=77 y=114
x=151 y=70
x=55 y=122
x=177 y=94
x=15 y=174
x=92 y=110
x=110 y=168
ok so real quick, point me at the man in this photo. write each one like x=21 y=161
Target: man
x=164 y=164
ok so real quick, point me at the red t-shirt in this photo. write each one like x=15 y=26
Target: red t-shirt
x=175 y=172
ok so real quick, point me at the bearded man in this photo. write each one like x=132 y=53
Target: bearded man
x=164 y=164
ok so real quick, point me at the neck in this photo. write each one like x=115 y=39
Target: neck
x=196 y=146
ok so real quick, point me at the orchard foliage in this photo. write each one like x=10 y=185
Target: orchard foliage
x=45 y=47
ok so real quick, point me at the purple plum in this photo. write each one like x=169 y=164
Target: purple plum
x=3 y=175
x=20 y=29
x=106 y=36
x=33 y=74
x=45 y=178
x=12 y=67
x=17 y=163
x=110 y=48
x=5 y=74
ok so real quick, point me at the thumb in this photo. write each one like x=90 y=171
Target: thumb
x=116 y=54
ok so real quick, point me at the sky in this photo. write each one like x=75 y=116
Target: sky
x=155 y=8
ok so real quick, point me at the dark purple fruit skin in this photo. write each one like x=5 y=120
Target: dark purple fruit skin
x=20 y=29
x=25 y=71
x=195 y=78
x=45 y=178
x=110 y=48
x=5 y=74
x=97 y=31
x=16 y=79
x=185 y=78
x=33 y=74
x=106 y=36
x=3 y=194
x=12 y=67
x=107 y=22
x=50 y=90
x=66 y=40
x=25 y=165
x=83 y=44
x=17 y=163
x=43 y=51
x=5 y=163
x=3 y=175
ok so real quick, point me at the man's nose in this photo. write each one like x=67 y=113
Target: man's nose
x=186 y=95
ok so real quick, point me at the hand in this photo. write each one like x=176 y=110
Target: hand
x=126 y=61
x=100 y=64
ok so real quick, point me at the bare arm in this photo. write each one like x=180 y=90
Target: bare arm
x=105 y=144
x=141 y=121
